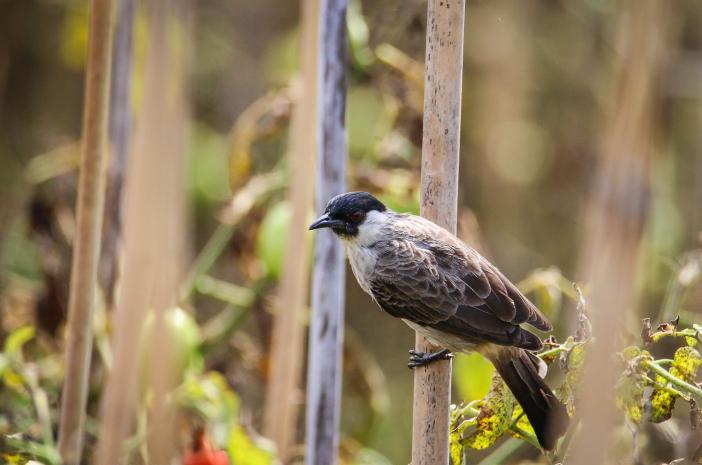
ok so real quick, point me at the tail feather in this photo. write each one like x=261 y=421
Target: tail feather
x=545 y=412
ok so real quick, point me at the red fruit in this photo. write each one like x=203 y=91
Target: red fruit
x=202 y=453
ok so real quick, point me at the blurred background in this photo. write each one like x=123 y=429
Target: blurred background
x=539 y=80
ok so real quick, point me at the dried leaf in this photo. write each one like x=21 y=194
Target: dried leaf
x=694 y=414
x=646 y=333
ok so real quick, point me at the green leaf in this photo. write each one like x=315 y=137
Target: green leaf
x=211 y=397
x=247 y=450
x=686 y=363
x=44 y=453
x=18 y=338
x=457 y=426
x=185 y=334
x=572 y=362
x=270 y=243
x=367 y=120
x=207 y=181
x=472 y=374
x=494 y=418
x=662 y=403
x=630 y=387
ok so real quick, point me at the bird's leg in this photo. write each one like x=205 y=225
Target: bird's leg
x=418 y=359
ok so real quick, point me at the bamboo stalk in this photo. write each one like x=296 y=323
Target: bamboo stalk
x=617 y=214
x=439 y=197
x=153 y=254
x=282 y=396
x=90 y=206
x=120 y=128
x=328 y=281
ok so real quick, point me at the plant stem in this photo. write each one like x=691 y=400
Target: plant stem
x=685 y=386
x=528 y=437
x=207 y=258
x=90 y=206
x=226 y=292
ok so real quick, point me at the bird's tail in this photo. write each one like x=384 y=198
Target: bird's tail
x=520 y=371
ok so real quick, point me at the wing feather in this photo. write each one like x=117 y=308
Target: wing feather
x=436 y=280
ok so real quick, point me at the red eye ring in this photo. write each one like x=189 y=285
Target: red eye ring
x=358 y=215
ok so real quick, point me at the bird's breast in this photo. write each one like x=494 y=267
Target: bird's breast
x=362 y=260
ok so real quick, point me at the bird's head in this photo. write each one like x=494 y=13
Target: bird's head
x=348 y=212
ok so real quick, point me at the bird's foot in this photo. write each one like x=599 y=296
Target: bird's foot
x=418 y=359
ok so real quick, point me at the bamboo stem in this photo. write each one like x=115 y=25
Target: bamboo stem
x=90 y=206
x=440 y=154
x=282 y=396
x=327 y=322
x=120 y=128
x=617 y=214
x=153 y=252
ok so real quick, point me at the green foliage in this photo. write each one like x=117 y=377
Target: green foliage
x=630 y=388
x=207 y=181
x=19 y=255
x=458 y=425
x=247 y=449
x=367 y=456
x=686 y=362
x=494 y=418
x=472 y=374
x=271 y=239
x=368 y=120
x=479 y=424
x=270 y=243
x=25 y=415
x=184 y=335
x=547 y=287
x=572 y=361
x=73 y=44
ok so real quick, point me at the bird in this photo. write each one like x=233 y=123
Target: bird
x=446 y=291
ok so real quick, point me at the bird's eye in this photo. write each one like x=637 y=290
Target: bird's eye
x=358 y=215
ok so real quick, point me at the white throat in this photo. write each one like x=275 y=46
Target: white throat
x=359 y=249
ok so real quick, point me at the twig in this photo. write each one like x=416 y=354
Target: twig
x=90 y=205
x=232 y=294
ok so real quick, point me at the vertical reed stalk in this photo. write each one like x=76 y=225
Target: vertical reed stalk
x=282 y=396
x=439 y=198
x=617 y=214
x=153 y=251
x=86 y=245
x=328 y=281
x=120 y=135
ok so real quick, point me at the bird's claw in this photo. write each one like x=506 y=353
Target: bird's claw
x=418 y=359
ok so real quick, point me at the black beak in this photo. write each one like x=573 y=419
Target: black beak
x=325 y=222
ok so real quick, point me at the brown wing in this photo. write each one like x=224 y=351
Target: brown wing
x=439 y=282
